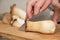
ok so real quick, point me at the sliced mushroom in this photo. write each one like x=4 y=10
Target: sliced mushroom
x=18 y=22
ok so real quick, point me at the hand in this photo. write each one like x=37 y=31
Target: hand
x=35 y=6
x=56 y=10
x=56 y=14
x=56 y=3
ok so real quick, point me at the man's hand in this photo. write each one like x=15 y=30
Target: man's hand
x=35 y=6
x=55 y=16
x=56 y=4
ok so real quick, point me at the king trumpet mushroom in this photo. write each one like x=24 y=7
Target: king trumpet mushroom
x=46 y=26
x=18 y=16
x=6 y=18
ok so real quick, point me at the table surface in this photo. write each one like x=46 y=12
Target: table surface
x=8 y=29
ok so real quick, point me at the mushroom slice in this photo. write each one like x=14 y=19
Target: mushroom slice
x=18 y=23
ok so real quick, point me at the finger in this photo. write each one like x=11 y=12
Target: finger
x=37 y=6
x=56 y=3
x=47 y=3
x=29 y=8
x=55 y=16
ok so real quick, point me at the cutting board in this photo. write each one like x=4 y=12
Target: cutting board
x=6 y=29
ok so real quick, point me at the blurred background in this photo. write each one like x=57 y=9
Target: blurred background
x=6 y=4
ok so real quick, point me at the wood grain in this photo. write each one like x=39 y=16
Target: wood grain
x=7 y=29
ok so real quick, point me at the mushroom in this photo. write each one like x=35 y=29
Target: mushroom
x=6 y=18
x=18 y=16
x=46 y=26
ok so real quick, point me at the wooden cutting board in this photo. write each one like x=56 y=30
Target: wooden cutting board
x=14 y=31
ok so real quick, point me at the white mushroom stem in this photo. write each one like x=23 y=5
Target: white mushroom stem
x=46 y=26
